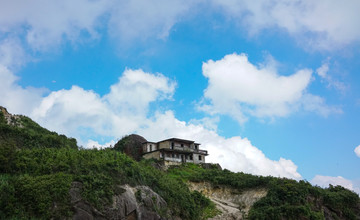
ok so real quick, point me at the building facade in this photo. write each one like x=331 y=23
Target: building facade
x=174 y=151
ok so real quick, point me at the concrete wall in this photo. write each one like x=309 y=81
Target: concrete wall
x=164 y=144
x=148 y=147
x=196 y=158
x=155 y=155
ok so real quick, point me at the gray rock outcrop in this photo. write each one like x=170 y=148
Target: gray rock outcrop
x=135 y=203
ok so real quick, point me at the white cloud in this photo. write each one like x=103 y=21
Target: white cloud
x=238 y=88
x=45 y=23
x=13 y=96
x=323 y=70
x=12 y=54
x=357 y=151
x=136 y=89
x=142 y=19
x=16 y=98
x=324 y=24
x=324 y=181
x=94 y=144
x=317 y=104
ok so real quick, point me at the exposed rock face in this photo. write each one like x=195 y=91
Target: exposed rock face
x=82 y=209
x=232 y=203
x=9 y=118
x=138 y=203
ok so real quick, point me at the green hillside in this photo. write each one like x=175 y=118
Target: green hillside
x=22 y=132
x=39 y=167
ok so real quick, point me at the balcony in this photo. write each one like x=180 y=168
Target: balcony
x=187 y=149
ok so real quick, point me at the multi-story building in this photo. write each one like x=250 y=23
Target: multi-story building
x=174 y=151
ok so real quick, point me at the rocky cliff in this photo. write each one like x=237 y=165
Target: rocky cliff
x=10 y=119
x=232 y=203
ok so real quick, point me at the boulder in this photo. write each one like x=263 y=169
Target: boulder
x=134 y=203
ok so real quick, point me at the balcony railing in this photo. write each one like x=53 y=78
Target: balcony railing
x=202 y=151
x=187 y=149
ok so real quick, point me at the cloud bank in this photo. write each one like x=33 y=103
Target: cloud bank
x=324 y=24
x=44 y=24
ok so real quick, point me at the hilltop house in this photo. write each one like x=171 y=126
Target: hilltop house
x=174 y=151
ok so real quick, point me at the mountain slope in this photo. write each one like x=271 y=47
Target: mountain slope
x=44 y=175
x=22 y=132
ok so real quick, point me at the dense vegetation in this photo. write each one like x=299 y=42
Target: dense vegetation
x=39 y=177
x=28 y=134
x=38 y=167
x=286 y=199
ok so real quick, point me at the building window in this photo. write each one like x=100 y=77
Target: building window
x=196 y=147
x=172 y=145
x=182 y=145
x=191 y=157
x=199 y=157
x=151 y=147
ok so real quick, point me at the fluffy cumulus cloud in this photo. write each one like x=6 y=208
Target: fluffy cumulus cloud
x=357 y=151
x=85 y=114
x=239 y=88
x=321 y=24
x=324 y=181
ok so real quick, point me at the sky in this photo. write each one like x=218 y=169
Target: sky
x=267 y=87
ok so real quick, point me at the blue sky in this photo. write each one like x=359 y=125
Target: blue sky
x=268 y=88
